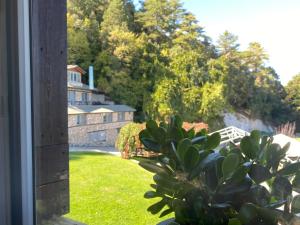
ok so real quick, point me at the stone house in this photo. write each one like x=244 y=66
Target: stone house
x=93 y=118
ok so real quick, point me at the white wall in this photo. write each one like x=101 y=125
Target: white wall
x=248 y=124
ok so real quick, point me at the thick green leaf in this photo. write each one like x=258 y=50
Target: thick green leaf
x=175 y=134
x=213 y=141
x=233 y=188
x=230 y=163
x=296 y=204
x=144 y=134
x=176 y=121
x=281 y=188
x=166 y=181
x=248 y=213
x=183 y=147
x=190 y=133
x=154 y=168
x=248 y=147
x=296 y=182
x=239 y=175
x=259 y=195
x=151 y=145
x=259 y=173
x=166 y=212
x=255 y=135
x=269 y=216
x=152 y=127
x=273 y=156
x=191 y=158
x=264 y=142
x=157 y=207
x=196 y=171
x=210 y=160
x=151 y=194
x=286 y=147
x=202 y=132
x=290 y=169
x=199 y=140
x=276 y=205
x=161 y=135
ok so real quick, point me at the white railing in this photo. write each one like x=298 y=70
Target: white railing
x=231 y=134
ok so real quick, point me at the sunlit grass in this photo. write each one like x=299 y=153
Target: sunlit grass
x=107 y=190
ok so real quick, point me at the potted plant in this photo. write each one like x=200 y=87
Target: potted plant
x=237 y=185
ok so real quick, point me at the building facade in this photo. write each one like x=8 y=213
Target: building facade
x=93 y=119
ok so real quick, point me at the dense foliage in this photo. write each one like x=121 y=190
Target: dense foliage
x=127 y=140
x=207 y=184
x=158 y=59
x=293 y=92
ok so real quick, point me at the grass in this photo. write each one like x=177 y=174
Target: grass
x=107 y=190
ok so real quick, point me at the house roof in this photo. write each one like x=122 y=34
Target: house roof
x=83 y=109
x=76 y=68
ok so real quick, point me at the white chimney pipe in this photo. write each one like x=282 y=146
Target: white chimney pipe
x=91 y=77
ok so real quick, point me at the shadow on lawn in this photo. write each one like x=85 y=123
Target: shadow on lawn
x=80 y=155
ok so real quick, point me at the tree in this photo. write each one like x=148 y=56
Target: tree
x=115 y=17
x=159 y=19
x=78 y=46
x=227 y=43
x=166 y=99
x=293 y=92
x=213 y=101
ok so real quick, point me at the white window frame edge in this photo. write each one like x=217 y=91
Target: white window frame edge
x=25 y=116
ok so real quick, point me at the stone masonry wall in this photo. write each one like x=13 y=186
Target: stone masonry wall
x=87 y=134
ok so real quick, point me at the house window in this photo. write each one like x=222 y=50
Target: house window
x=84 y=97
x=81 y=119
x=97 y=136
x=71 y=96
x=107 y=118
x=121 y=116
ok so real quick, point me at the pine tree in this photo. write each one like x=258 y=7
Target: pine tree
x=227 y=43
x=160 y=18
x=115 y=17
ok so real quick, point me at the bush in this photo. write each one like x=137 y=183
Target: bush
x=127 y=140
x=235 y=185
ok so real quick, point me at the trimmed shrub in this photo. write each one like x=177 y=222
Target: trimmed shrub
x=128 y=140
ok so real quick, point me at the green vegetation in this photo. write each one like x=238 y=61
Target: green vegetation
x=293 y=92
x=241 y=185
x=127 y=140
x=158 y=59
x=107 y=190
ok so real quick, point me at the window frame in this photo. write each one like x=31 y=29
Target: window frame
x=121 y=116
x=81 y=119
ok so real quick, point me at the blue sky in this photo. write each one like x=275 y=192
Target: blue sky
x=273 y=23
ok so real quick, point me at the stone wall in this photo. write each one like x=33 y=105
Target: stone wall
x=97 y=98
x=95 y=132
x=245 y=123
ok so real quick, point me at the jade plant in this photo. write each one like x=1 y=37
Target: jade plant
x=204 y=183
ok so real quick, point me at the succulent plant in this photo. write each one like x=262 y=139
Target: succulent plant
x=204 y=183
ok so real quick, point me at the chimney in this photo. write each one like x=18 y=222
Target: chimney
x=91 y=77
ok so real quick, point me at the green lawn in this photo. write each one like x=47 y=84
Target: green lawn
x=107 y=190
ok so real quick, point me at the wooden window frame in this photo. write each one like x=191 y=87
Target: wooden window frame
x=37 y=148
